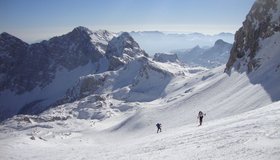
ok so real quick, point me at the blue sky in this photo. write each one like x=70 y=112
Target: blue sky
x=34 y=20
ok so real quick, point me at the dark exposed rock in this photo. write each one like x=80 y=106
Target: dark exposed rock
x=123 y=49
x=261 y=22
x=25 y=67
x=12 y=54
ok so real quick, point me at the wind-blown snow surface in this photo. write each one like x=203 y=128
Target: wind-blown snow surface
x=242 y=122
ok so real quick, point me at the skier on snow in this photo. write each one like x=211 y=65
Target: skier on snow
x=200 y=117
x=158 y=127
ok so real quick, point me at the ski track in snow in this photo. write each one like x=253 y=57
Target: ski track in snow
x=251 y=135
x=242 y=121
x=238 y=131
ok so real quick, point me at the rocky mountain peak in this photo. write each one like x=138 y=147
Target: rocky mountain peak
x=262 y=21
x=82 y=30
x=124 y=45
x=122 y=42
x=220 y=42
x=104 y=34
x=123 y=49
x=5 y=35
x=197 y=48
x=6 y=38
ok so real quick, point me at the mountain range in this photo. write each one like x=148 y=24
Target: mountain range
x=160 y=42
x=37 y=76
x=105 y=100
x=207 y=57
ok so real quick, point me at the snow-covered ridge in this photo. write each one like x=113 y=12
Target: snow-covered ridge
x=116 y=120
x=234 y=123
x=29 y=70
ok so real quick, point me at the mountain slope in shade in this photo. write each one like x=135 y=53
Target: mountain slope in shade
x=261 y=23
x=241 y=121
x=256 y=49
x=117 y=120
x=37 y=76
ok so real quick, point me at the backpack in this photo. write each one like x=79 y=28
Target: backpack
x=200 y=114
x=158 y=125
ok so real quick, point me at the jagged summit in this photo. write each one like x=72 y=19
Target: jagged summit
x=124 y=44
x=33 y=74
x=262 y=22
x=104 y=34
x=123 y=49
x=82 y=29
x=5 y=35
x=8 y=38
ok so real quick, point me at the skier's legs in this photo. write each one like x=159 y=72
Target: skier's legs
x=200 y=120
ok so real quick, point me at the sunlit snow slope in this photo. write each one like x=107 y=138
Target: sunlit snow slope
x=241 y=123
x=117 y=120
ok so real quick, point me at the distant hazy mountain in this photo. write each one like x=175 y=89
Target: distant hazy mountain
x=206 y=57
x=162 y=57
x=158 y=42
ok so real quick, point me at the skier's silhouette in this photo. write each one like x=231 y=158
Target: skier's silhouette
x=158 y=127
x=200 y=117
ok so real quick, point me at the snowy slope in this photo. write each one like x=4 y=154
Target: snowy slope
x=237 y=125
x=242 y=120
x=251 y=135
x=33 y=76
x=116 y=120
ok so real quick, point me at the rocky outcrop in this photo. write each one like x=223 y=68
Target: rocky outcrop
x=262 y=21
x=163 y=57
x=24 y=67
x=41 y=75
x=12 y=54
x=123 y=49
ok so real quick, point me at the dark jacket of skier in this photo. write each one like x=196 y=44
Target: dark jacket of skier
x=200 y=117
x=158 y=127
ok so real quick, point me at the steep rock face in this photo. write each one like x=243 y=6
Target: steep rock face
x=262 y=22
x=35 y=76
x=123 y=49
x=12 y=53
x=73 y=49
x=42 y=75
x=26 y=66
